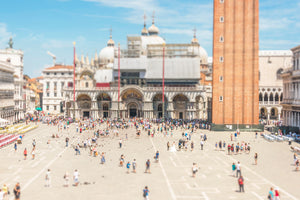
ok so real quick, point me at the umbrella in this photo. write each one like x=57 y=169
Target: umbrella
x=38 y=109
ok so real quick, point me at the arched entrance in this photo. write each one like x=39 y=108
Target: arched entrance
x=104 y=104
x=263 y=113
x=158 y=106
x=274 y=113
x=132 y=103
x=84 y=104
x=180 y=105
x=132 y=110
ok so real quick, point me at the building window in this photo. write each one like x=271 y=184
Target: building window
x=48 y=94
x=86 y=84
x=62 y=84
x=221 y=98
x=279 y=73
x=221 y=1
x=47 y=108
x=55 y=94
x=62 y=94
x=70 y=73
x=48 y=85
x=54 y=107
x=221 y=59
x=62 y=74
x=222 y=19
x=54 y=73
x=221 y=39
x=221 y=78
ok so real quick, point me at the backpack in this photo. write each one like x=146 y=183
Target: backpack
x=241 y=181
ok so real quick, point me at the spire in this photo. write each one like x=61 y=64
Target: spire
x=76 y=58
x=153 y=16
x=87 y=61
x=110 y=42
x=92 y=62
x=144 y=30
x=96 y=56
x=195 y=40
x=82 y=59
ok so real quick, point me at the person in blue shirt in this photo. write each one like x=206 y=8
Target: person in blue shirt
x=146 y=193
x=128 y=167
x=156 y=157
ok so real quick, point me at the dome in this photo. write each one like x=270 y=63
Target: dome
x=107 y=54
x=144 y=31
x=199 y=51
x=110 y=42
x=151 y=40
x=153 y=30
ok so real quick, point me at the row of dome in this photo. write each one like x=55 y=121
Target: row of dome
x=148 y=37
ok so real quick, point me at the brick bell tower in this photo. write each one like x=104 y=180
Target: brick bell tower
x=235 y=63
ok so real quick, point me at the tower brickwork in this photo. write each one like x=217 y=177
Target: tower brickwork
x=235 y=62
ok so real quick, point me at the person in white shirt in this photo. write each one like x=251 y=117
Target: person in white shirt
x=238 y=170
x=76 y=177
x=1 y=194
x=48 y=178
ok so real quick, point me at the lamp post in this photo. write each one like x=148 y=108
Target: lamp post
x=163 y=84
x=74 y=43
x=119 y=81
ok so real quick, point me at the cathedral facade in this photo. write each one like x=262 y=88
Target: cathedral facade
x=142 y=68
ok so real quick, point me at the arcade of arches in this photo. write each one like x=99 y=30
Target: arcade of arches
x=134 y=102
x=269 y=103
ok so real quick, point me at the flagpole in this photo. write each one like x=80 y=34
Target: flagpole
x=163 y=85
x=74 y=43
x=118 y=81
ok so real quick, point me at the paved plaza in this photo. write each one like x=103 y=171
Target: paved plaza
x=170 y=178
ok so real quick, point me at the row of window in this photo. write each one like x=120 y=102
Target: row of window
x=62 y=73
x=55 y=94
x=47 y=107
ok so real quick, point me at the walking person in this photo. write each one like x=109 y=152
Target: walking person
x=134 y=166
x=156 y=157
x=238 y=169
x=277 y=195
x=271 y=194
x=17 y=191
x=128 y=167
x=233 y=169
x=201 y=144
x=146 y=193
x=194 y=170
x=33 y=153
x=67 y=141
x=15 y=146
x=25 y=154
x=76 y=177
x=192 y=146
x=120 y=143
x=48 y=178
x=66 y=179
x=168 y=146
x=241 y=183
x=255 y=158
x=297 y=165
x=102 y=158
x=2 y=194
x=148 y=166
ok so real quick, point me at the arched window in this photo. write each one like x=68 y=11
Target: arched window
x=276 y=97
x=278 y=73
x=271 y=97
x=266 y=97
x=260 y=96
x=281 y=97
x=86 y=84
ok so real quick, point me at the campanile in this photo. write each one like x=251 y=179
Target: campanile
x=235 y=62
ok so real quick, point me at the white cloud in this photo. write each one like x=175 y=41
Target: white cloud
x=4 y=35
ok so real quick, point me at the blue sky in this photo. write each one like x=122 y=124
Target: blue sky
x=38 y=26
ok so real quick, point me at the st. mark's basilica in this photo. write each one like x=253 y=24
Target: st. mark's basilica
x=187 y=80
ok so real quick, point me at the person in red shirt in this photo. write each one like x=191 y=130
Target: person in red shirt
x=25 y=154
x=277 y=195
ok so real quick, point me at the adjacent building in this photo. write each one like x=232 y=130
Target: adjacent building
x=54 y=80
x=271 y=66
x=291 y=91
x=7 y=89
x=235 y=64
x=15 y=59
